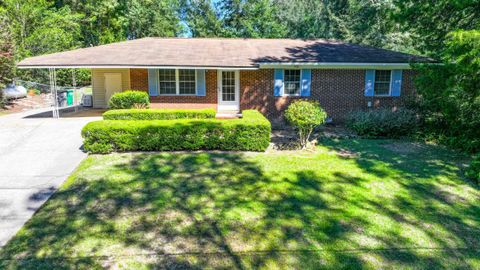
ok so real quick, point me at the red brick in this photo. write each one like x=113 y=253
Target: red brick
x=338 y=92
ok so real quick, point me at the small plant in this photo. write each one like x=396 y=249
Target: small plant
x=473 y=171
x=129 y=99
x=305 y=116
x=382 y=123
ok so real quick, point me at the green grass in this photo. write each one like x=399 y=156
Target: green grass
x=352 y=204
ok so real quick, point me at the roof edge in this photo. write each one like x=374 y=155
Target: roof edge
x=21 y=66
x=337 y=65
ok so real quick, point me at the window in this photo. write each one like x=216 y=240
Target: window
x=292 y=82
x=167 y=82
x=382 y=82
x=176 y=82
x=187 y=82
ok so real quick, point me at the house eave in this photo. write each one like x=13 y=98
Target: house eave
x=20 y=66
x=344 y=65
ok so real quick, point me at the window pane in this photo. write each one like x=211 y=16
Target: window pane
x=382 y=82
x=187 y=81
x=292 y=82
x=167 y=81
x=228 y=86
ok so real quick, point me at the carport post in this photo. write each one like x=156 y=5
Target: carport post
x=53 y=91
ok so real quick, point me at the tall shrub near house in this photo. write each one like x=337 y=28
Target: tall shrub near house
x=449 y=94
x=305 y=116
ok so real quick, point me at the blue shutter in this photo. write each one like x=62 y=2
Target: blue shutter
x=369 y=82
x=278 y=87
x=153 y=82
x=200 y=83
x=306 y=82
x=396 y=82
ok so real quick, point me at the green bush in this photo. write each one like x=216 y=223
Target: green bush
x=382 y=123
x=449 y=94
x=250 y=133
x=129 y=99
x=473 y=171
x=305 y=115
x=158 y=114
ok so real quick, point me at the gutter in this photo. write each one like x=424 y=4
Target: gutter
x=337 y=65
x=20 y=66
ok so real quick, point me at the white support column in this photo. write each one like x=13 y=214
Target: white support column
x=53 y=91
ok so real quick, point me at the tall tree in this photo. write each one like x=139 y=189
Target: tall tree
x=7 y=63
x=38 y=27
x=145 y=18
x=251 y=19
x=101 y=21
x=358 y=21
x=430 y=21
x=202 y=19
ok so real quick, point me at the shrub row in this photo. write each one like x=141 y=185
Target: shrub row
x=250 y=133
x=382 y=122
x=129 y=99
x=158 y=114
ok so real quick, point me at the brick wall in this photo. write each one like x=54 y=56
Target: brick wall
x=338 y=91
x=139 y=81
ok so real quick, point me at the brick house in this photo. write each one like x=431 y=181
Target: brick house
x=231 y=75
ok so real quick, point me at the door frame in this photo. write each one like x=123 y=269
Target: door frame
x=228 y=105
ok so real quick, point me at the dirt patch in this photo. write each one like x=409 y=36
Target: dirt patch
x=28 y=103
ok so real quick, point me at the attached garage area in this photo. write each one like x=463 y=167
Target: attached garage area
x=106 y=82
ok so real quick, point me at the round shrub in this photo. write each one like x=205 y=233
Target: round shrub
x=382 y=123
x=129 y=99
x=304 y=116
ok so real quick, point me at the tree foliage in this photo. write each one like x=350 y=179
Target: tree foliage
x=430 y=21
x=7 y=64
x=202 y=19
x=450 y=93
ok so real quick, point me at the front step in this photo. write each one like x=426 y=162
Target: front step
x=228 y=115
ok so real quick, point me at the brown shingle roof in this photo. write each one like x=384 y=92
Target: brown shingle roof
x=218 y=52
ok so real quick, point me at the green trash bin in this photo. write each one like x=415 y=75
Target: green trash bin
x=70 y=97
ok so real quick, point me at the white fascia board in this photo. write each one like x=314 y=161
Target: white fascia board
x=144 y=67
x=338 y=65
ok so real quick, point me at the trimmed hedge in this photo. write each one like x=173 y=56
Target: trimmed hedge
x=250 y=133
x=158 y=114
x=129 y=99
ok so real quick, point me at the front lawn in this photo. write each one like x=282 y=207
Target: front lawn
x=355 y=204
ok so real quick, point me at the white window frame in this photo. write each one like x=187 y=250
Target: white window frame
x=389 y=85
x=177 y=84
x=300 y=84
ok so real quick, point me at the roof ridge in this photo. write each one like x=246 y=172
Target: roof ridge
x=240 y=38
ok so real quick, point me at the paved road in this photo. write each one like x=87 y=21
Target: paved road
x=36 y=155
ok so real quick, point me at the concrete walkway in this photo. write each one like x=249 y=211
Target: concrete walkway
x=36 y=156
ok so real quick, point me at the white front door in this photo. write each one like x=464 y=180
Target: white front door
x=113 y=84
x=228 y=90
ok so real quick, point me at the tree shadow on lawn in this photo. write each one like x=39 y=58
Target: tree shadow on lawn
x=221 y=210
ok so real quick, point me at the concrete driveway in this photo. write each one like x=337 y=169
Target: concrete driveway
x=36 y=156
